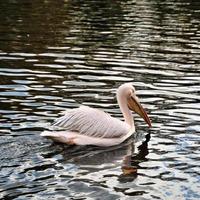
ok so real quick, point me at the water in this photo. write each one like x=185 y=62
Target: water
x=57 y=55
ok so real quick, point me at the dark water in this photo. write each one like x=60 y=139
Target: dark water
x=57 y=55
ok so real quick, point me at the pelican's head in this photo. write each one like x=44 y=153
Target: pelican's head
x=128 y=93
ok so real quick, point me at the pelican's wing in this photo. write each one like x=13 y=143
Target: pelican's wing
x=92 y=122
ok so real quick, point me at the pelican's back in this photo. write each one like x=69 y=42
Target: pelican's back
x=92 y=122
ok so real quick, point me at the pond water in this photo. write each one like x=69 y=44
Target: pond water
x=57 y=55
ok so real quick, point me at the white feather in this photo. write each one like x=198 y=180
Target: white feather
x=92 y=122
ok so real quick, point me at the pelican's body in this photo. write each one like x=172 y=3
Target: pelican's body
x=90 y=126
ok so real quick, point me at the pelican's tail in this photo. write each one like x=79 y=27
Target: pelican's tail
x=49 y=134
x=60 y=136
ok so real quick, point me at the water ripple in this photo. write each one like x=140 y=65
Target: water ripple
x=59 y=55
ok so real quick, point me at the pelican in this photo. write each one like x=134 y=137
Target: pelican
x=90 y=126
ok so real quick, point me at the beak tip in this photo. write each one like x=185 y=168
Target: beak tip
x=148 y=121
x=149 y=124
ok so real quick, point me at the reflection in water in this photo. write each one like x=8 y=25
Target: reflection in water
x=56 y=55
x=132 y=161
x=97 y=156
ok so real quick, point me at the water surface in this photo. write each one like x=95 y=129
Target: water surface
x=57 y=55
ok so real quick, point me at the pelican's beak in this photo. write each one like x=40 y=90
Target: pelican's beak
x=134 y=105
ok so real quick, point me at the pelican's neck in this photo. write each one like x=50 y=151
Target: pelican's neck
x=123 y=104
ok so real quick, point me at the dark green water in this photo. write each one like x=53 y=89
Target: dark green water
x=57 y=55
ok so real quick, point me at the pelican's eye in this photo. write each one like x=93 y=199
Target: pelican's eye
x=132 y=91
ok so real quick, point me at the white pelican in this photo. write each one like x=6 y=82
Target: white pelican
x=90 y=126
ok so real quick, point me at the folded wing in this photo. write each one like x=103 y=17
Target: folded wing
x=92 y=122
